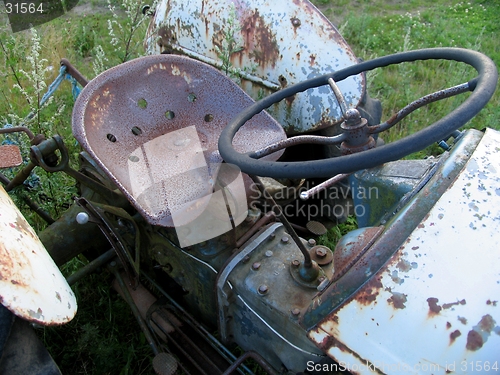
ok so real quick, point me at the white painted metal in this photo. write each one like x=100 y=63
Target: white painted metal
x=31 y=285
x=436 y=305
x=267 y=45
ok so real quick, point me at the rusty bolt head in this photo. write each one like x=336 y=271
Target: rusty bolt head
x=295 y=312
x=296 y=263
x=256 y=266
x=321 y=252
x=295 y=22
x=311 y=242
x=263 y=289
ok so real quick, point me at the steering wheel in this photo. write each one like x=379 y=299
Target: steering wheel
x=482 y=87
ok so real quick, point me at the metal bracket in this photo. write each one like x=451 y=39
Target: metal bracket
x=97 y=214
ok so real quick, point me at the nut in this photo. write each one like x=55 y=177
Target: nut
x=321 y=252
x=263 y=289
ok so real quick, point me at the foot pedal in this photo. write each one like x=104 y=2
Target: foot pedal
x=165 y=364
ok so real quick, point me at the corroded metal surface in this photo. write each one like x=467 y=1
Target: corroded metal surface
x=268 y=46
x=153 y=124
x=10 y=156
x=433 y=308
x=31 y=285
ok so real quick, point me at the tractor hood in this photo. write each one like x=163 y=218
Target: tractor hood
x=31 y=285
x=434 y=307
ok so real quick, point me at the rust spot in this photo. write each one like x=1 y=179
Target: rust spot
x=369 y=292
x=474 y=341
x=487 y=323
x=490 y=302
x=448 y=325
x=403 y=265
x=448 y=305
x=456 y=333
x=421 y=225
x=415 y=247
x=260 y=39
x=434 y=308
x=462 y=320
x=312 y=60
x=398 y=300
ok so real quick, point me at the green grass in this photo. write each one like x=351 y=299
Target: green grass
x=377 y=28
x=104 y=338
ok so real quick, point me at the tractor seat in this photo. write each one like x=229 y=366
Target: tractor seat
x=153 y=124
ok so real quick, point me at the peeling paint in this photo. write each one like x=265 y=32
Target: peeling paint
x=271 y=40
x=445 y=276
x=28 y=275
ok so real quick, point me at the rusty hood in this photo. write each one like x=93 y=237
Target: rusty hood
x=31 y=285
x=266 y=45
x=434 y=307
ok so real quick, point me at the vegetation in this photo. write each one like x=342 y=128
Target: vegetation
x=378 y=28
x=103 y=338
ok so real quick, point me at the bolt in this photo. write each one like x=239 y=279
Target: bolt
x=269 y=253
x=284 y=239
x=246 y=259
x=321 y=252
x=296 y=263
x=311 y=242
x=295 y=22
x=321 y=279
x=82 y=218
x=256 y=266
x=296 y=312
x=263 y=289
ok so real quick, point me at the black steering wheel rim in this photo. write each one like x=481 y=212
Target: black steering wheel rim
x=482 y=89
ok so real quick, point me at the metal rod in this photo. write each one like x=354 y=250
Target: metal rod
x=91 y=267
x=424 y=100
x=324 y=185
x=17 y=129
x=338 y=96
x=126 y=294
x=268 y=217
x=195 y=324
x=298 y=140
x=20 y=177
x=72 y=71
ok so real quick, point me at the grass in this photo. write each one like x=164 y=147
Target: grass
x=104 y=338
x=377 y=28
